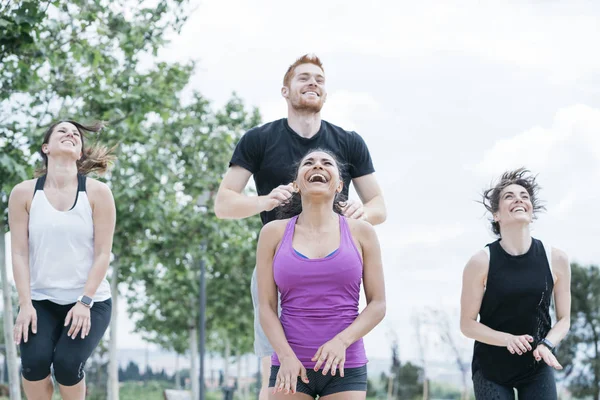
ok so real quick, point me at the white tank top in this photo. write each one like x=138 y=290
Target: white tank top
x=61 y=248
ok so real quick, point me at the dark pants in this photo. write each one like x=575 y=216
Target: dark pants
x=51 y=345
x=540 y=386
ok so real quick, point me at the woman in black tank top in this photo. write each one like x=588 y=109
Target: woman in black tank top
x=509 y=285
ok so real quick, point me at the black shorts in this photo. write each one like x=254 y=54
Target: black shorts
x=355 y=379
x=51 y=345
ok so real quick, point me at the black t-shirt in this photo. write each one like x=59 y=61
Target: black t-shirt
x=271 y=151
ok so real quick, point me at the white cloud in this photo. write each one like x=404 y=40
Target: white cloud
x=557 y=39
x=347 y=109
x=343 y=108
x=572 y=137
x=424 y=234
x=566 y=156
x=565 y=205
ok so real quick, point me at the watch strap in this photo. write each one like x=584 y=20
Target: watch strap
x=547 y=343
x=86 y=301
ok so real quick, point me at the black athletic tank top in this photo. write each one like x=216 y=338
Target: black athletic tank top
x=516 y=301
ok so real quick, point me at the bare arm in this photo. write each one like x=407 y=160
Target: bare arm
x=562 y=301
x=474 y=278
x=18 y=221
x=231 y=203
x=562 y=296
x=371 y=196
x=104 y=215
x=373 y=283
x=269 y=238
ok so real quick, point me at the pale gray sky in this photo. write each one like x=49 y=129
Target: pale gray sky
x=447 y=96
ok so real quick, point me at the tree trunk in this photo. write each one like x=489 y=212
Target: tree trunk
x=194 y=375
x=2 y=369
x=113 y=362
x=212 y=381
x=238 y=364
x=177 y=374
x=390 y=386
x=422 y=345
x=596 y=366
x=14 y=382
x=226 y=363
x=247 y=377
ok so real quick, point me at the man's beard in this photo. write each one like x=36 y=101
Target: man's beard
x=300 y=104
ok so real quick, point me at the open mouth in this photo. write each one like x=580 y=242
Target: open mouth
x=519 y=209
x=312 y=93
x=317 y=178
x=69 y=141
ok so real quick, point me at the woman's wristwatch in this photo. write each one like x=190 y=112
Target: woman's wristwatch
x=547 y=343
x=86 y=301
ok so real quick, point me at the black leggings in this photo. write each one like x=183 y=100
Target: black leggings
x=540 y=386
x=51 y=345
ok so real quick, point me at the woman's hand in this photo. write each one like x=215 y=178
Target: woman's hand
x=333 y=354
x=542 y=352
x=80 y=317
x=519 y=344
x=287 y=377
x=27 y=315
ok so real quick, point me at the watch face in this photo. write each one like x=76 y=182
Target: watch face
x=86 y=300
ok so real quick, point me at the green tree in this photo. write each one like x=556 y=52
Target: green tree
x=406 y=379
x=130 y=373
x=445 y=391
x=10 y=350
x=20 y=24
x=82 y=59
x=580 y=351
x=165 y=302
x=96 y=371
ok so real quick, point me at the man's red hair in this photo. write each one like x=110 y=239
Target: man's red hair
x=305 y=59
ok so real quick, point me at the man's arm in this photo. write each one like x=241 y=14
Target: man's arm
x=371 y=196
x=231 y=203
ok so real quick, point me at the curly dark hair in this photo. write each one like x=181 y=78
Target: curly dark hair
x=293 y=206
x=522 y=177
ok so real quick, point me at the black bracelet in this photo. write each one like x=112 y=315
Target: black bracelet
x=547 y=343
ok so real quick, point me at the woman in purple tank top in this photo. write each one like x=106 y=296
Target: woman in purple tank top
x=315 y=259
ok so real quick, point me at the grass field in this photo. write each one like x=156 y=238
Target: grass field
x=150 y=391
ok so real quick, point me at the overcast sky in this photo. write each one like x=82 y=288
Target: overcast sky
x=447 y=97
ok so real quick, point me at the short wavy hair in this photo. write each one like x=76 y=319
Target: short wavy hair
x=305 y=59
x=522 y=177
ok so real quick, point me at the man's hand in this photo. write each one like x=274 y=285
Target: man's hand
x=354 y=209
x=277 y=197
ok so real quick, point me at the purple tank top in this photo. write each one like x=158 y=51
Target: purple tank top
x=319 y=297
